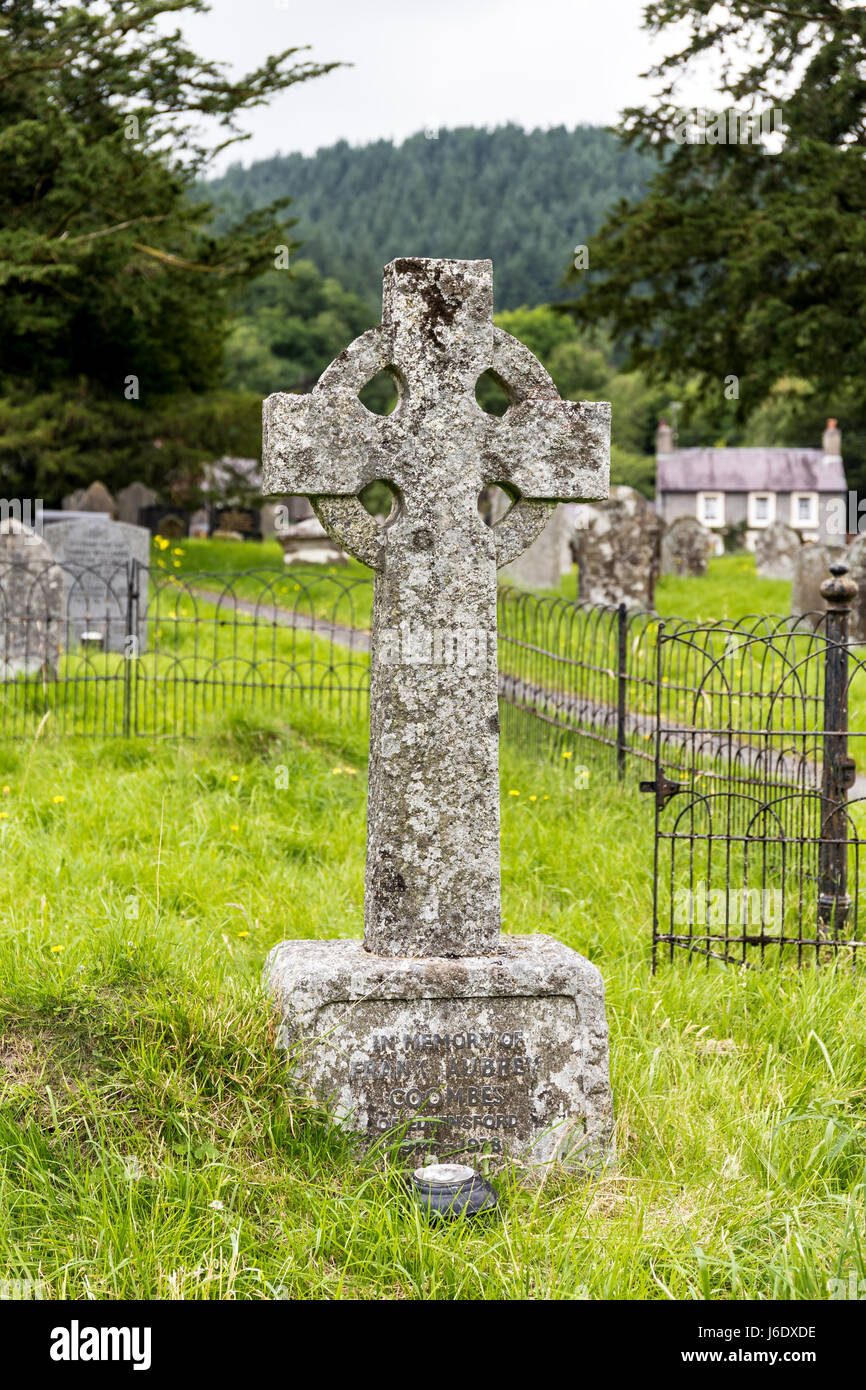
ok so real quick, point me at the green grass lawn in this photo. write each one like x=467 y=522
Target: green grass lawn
x=254 y=570
x=730 y=588
x=152 y=1144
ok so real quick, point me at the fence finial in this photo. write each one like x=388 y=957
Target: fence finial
x=839 y=591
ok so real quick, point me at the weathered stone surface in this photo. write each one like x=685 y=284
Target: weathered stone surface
x=618 y=552
x=132 y=500
x=509 y=1050
x=433 y=961
x=542 y=564
x=686 y=547
x=95 y=555
x=855 y=558
x=31 y=602
x=811 y=567
x=432 y=883
x=776 y=551
x=96 y=498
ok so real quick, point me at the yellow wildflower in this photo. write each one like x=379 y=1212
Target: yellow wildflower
x=513 y=792
x=58 y=798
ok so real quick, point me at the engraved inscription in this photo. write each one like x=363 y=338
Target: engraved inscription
x=437 y=1078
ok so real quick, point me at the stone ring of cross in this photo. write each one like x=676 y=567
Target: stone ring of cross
x=438 y=449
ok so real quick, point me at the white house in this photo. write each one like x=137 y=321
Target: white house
x=723 y=487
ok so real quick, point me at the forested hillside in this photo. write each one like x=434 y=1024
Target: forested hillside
x=524 y=198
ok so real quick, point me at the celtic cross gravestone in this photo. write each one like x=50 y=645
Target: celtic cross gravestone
x=439 y=1026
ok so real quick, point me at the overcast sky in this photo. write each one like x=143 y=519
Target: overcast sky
x=446 y=63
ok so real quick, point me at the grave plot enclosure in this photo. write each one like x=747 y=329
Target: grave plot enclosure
x=759 y=811
x=182 y=649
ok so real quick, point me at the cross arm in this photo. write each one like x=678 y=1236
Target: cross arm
x=327 y=443
x=547 y=448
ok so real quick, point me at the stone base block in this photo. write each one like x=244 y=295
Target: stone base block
x=504 y=1054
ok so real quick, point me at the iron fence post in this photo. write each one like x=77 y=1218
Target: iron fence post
x=130 y=644
x=657 y=801
x=622 y=657
x=834 y=904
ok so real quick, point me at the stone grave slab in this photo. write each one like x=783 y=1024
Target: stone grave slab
x=618 y=551
x=133 y=500
x=507 y=1052
x=95 y=555
x=811 y=567
x=686 y=547
x=542 y=564
x=31 y=603
x=776 y=549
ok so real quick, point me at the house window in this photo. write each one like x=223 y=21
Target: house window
x=711 y=508
x=804 y=509
x=761 y=509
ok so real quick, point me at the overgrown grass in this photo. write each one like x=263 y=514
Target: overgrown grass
x=152 y=1145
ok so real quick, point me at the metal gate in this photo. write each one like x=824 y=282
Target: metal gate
x=757 y=844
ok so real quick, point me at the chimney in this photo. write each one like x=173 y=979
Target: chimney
x=831 y=440
x=664 y=438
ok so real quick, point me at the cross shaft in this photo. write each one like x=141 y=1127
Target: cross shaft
x=432 y=874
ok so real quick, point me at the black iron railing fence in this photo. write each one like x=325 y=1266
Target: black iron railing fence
x=138 y=651
x=141 y=650
x=741 y=730
x=757 y=835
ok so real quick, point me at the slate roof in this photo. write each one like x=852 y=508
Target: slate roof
x=749 y=470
